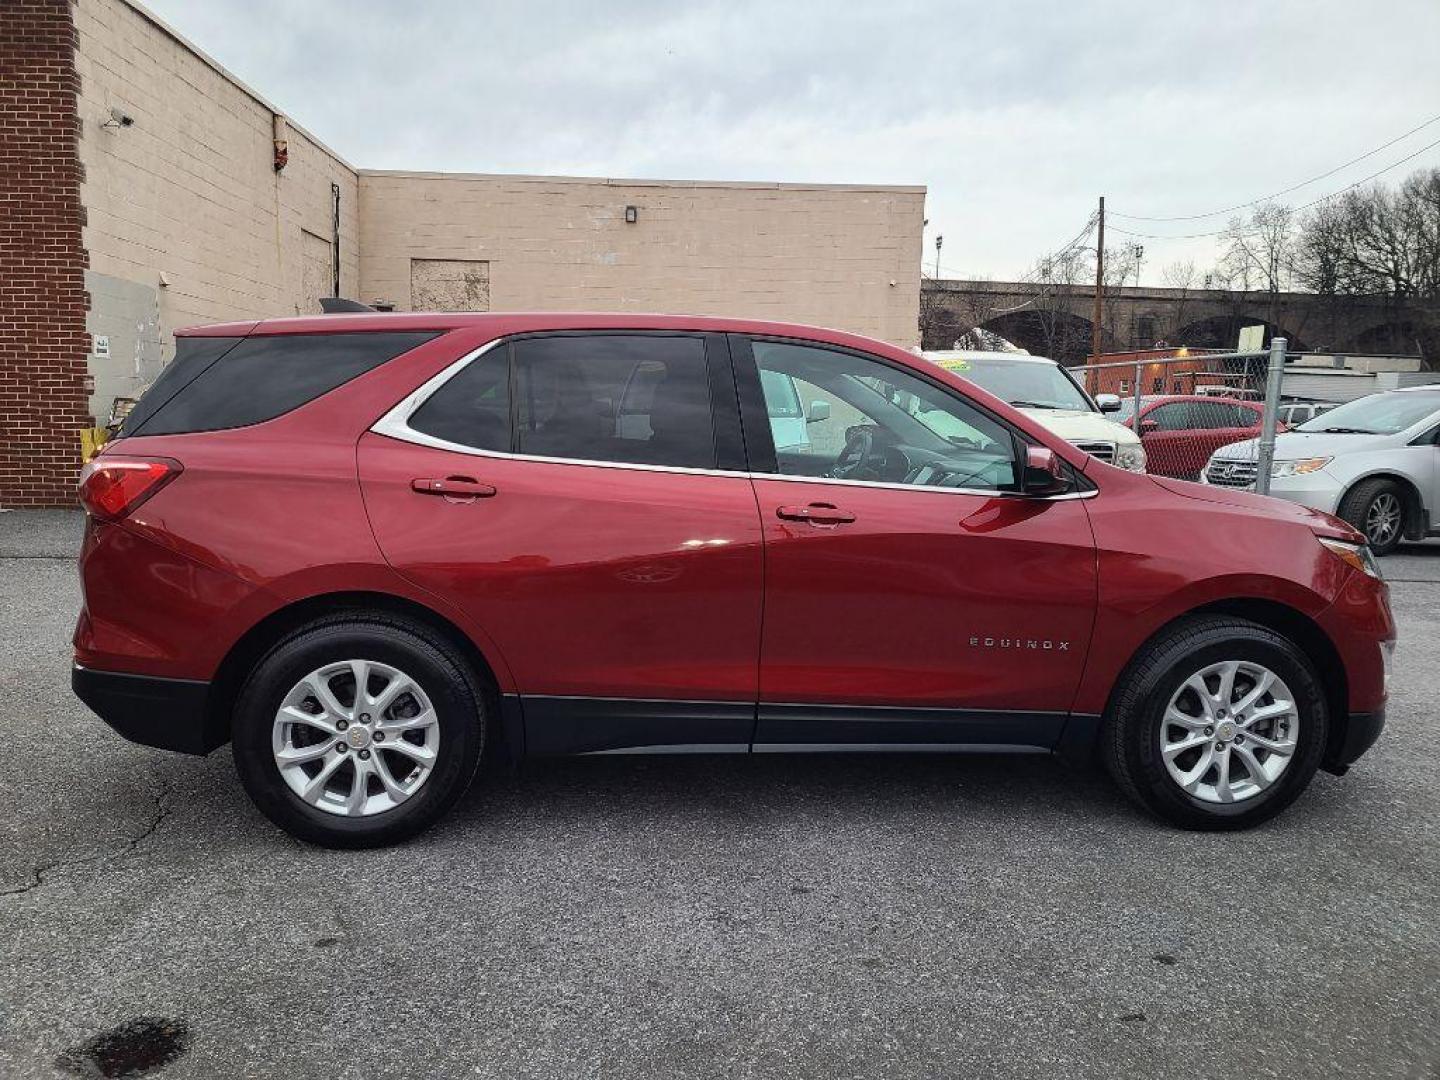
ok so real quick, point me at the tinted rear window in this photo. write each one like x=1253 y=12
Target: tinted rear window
x=192 y=356
x=258 y=378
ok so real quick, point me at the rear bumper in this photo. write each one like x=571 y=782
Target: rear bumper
x=1361 y=731
x=170 y=714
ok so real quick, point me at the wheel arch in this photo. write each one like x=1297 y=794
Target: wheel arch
x=1293 y=625
x=246 y=652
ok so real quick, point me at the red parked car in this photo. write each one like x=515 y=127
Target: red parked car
x=362 y=547
x=1181 y=431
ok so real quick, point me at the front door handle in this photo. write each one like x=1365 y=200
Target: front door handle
x=452 y=487
x=816 y=514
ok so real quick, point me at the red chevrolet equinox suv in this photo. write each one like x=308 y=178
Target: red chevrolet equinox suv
x=362 y=547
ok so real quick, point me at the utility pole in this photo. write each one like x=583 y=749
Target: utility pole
x=939 y=240
x=1099 y=285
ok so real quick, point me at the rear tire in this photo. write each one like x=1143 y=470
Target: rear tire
x=1377 y=509
x=386 y=776
x=1156 y=712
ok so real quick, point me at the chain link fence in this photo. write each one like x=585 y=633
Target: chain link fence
x=1186 y=405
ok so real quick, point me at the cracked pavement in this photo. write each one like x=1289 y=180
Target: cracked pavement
x=751 y=917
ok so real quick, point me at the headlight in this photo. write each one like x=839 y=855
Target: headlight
x=1299 y=467
x=1130 y=456
x=1357 y=555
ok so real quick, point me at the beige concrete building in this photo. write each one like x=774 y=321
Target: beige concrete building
x=837 y=255
x=184 y=196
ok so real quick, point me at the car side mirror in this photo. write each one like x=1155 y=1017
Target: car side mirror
x=1147 y=426
x=819 y=410
x=1108 y=402
x=1044 y=472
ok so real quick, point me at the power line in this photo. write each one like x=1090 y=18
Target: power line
x=1061 y=251
x=1057 y=253
x=1286 y=191
x=1298 y=209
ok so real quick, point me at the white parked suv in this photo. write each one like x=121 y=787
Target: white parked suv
x=1045 y=391
x=1373 y=461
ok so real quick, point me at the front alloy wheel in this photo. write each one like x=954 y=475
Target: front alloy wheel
x=1377 y=508
x=1217 y=723
x=1229 y=732
x=1382 y=519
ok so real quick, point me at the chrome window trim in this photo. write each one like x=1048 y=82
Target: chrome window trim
x=395 y=425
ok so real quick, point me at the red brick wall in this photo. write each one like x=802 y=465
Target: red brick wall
x=43 y=344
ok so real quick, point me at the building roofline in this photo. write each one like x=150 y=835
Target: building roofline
x=611 y=181
x=240 y=84
x=230 y=77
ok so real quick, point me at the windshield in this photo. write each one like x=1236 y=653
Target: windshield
x=1023 y=382
x=1377 y=414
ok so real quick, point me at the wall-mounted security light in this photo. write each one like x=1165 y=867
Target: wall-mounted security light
x=118 y=119
x=632 y=215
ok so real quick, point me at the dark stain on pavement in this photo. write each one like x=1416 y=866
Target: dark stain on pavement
x=135 y=1048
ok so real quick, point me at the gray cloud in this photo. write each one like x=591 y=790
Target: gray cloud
x=1015 y=115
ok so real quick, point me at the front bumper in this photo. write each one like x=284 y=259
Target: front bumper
x=170 y=714
x=1317 y=490
x=1360 y=732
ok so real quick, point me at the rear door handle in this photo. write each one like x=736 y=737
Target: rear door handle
x=816 y=514
x=452 y=487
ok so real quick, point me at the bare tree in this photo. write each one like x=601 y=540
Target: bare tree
x=1375 y=242
x=1182 y=277
x=1259 y=253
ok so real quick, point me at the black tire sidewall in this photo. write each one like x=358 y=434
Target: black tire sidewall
x=457 y=707
x=1142 y=732
x=1356 y=509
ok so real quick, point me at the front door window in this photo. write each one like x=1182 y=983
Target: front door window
x=847 y=417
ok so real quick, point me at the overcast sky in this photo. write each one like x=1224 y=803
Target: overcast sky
x=1016 y=115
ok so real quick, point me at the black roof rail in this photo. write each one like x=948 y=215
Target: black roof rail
x=336 y=305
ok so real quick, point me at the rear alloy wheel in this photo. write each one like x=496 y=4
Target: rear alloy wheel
x=1376 y=508
x=359 y=730
x=356 y=738
x=1218 y=723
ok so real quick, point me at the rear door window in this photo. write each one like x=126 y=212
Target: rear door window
x=1172 y=417
x=472 y=408
x=260 y=378
x=1216 y=415
x=637 y=399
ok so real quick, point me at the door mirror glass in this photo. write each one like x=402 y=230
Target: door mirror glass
x=1044 y=472
x=1108 y=402
x=819 y=411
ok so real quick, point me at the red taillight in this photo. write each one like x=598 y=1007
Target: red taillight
x=111 y=487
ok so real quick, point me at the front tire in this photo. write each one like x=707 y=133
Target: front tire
x=1377 y=509
x=359 y=730
x=1219 y=723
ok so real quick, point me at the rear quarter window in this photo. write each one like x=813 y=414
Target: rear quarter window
x=256 y=379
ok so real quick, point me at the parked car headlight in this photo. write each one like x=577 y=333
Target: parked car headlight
x=1357 y=555
x=1130 y=456
x=1299 y=467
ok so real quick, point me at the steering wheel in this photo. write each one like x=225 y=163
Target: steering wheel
x=858 y=456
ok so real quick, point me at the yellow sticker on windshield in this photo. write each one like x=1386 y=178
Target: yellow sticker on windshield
x=957 y=364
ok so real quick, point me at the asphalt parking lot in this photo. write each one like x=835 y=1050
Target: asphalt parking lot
x=749 y=917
